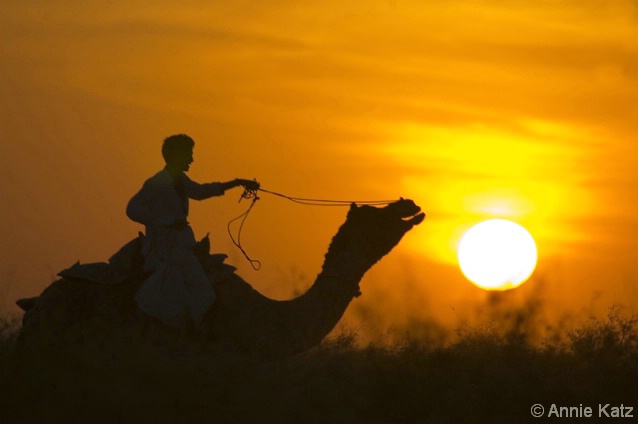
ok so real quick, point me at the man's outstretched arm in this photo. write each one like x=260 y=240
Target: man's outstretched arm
x=249 y=184
x=204 y=191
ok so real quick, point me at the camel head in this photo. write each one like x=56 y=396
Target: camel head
x=369 y=233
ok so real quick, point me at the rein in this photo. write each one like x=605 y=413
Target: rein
x=253 y=195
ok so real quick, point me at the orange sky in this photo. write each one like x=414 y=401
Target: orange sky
x=475 y=109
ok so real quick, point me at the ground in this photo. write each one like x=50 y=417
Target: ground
x=483 y=376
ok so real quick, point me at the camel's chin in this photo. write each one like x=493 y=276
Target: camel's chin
x=415 y=219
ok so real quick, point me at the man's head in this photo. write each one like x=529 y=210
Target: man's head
x=177 y=151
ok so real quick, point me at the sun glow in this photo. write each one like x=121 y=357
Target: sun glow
x=497 y=254
x=465 y=174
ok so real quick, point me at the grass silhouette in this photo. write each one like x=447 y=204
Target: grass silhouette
x=485 y=375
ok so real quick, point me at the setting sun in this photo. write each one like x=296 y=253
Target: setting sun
x=497 y=254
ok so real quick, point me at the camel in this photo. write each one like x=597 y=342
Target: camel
x=75 y=310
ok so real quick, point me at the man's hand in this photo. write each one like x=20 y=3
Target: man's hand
x=249 y=184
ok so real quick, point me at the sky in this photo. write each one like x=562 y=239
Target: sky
x=475 y=109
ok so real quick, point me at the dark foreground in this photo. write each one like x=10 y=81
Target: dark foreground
x=483 y=377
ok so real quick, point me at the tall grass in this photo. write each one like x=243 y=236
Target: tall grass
x=486 y=374
x=9 y=327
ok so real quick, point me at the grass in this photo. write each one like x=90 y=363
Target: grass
x=484 y=375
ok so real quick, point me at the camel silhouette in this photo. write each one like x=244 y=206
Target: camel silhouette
x=75 y=310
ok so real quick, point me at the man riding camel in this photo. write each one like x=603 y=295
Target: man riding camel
x=177 y=290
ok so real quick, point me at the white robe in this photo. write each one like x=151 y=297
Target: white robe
x=178 y=288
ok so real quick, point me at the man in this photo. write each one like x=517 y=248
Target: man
x=178 y=289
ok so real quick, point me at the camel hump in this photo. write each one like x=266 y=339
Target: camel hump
x=129 y=257
x=27 y=303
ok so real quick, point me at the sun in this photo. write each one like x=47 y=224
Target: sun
x=497 y=254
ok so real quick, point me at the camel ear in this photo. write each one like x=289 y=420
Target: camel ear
x=353 y=206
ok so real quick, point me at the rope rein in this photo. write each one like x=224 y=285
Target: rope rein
x=247 y=194
x=325 y=202
x=252 y=195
